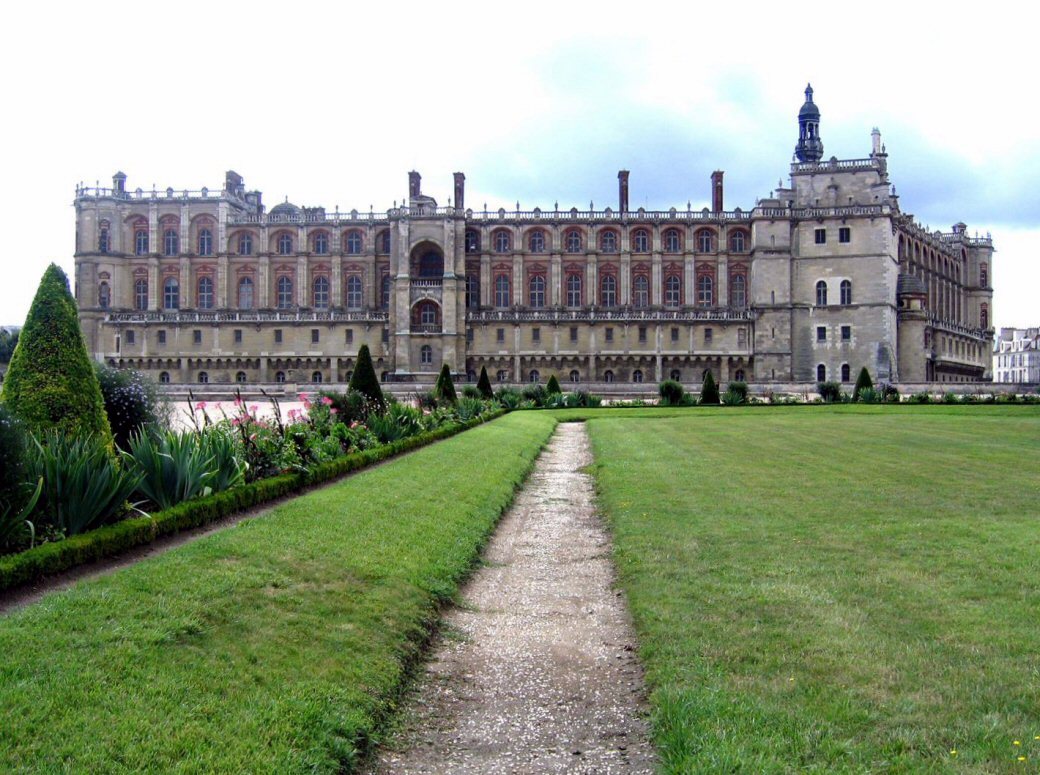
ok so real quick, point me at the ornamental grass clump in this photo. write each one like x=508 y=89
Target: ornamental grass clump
x=174 y=467
x=50 y=383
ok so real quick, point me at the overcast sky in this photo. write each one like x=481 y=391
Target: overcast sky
x=537 y=102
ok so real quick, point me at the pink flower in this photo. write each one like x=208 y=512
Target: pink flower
x=326 y=400
x=252 y=437
x=238 y=400
x=354 y=424
x=253 y=408
x=302 y=396
x=333 y=410
x=201 y=406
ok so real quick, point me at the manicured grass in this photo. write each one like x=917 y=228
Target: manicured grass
x=818 y=589
x=276 y=646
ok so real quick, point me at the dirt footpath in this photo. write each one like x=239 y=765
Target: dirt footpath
x=536 y=672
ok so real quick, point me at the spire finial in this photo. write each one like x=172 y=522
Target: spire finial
x=808 y=92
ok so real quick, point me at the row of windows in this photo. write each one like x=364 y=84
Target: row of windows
x=608 y=335
x=821 y=373
x=845 y=289
x=821 y=333
x=844 y=235
x=672 y=241
x=284 y=243
x=130 y=336
x=608 y=290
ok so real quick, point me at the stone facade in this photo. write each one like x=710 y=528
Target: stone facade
x=824 y=276
x=1016 y=358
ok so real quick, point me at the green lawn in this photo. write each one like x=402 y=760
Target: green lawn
x=847 y=589
x=276 y=646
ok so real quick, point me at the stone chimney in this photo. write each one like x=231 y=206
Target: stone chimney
x=716 y=191
x=234 y=184
x=622 y=192
x=119 y=183
x=460 y=190
x=414 y=183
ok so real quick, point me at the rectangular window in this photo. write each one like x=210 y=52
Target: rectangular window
x=278 y=336
x=500 y=335
x=238 y=336
x=129 y=337
x=821 y=236
x=574 y=333
x=536 y=334
x=349 y=336
x=160 y=337
x=196 y=336
x=741 y=337
x=642 y=333
x=821 y=333
x=708 y=335
x=844 y=234
x=609 y=333
x=315 y=336
x=846 y=333
x=675 y=334
x=469 y=334
x=386 y=335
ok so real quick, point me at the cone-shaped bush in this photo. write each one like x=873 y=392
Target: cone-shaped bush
x=364 y=378
x=552 y=386
x=445 y=388
x=50 y=383
x=709 y=390
x=862 y=381
x=484 y=384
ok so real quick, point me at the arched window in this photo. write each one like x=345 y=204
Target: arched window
x=240 y=377
x=104 y=295
x=427 y=313
x=501 y=290
x=821 y=373
x=203 y=378
x=846 y=291
x=321 y=292
x=705 y=291
x=315 y=376
x=245 y=293
x=103 y=240
x=353 y=287
x=608 y=290
x=739 y=375
x=575 y=375
x=572 y=242
x=284 y=244
x=845 y=376
x=431 y=264
x=704 y=240
x=279 y=376
x=284 y=292
x=383 y=242
x=384 y=291
x=171 y=293
x=205 y=242
x=574 y=290
x=426 y=355
x=141 y=294
x=608 y=376
x=640 y=241
x=536 y=242
x=472 y=291
x=502 y=376
x=821 y=294
x=354 y=242
x=503 y=242
x=738 y=291
x=608 y=242
x=738 y=242
x=245 y=244
x=472 y=241
x=170 y=242
x=984 y=316
x=637 y=375
x=164 y=377
x=321 y=243
x=672 y=241
x=205 y=293
x=672 y=291
x=675 y=375
x=537 y=291
x=533 y=375
x=640 y=291
x=141 y=242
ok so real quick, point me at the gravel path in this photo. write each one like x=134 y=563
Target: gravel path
x=536 y=672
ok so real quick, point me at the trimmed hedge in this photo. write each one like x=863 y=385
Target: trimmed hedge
x=58 y=556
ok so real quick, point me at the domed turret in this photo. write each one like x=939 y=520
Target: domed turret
x=284 y=211
x=810 y=146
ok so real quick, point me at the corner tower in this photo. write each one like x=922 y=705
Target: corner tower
x=810 y=146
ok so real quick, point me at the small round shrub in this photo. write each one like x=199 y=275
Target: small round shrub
x=671 y=392
x=740 y=389
x=536 y=394
x=132 y=402
x=829 y=391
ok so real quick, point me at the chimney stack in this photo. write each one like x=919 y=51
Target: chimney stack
x=119 y=183
x=622 y=177
x=716 y=191
x=460 y=191
x=414 y=181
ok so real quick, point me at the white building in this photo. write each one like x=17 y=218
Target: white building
x=1017 y=356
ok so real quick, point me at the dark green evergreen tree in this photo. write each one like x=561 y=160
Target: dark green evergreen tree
x=445 y=388
x=709 y=390
x=552 y=386
x=364 y=380
x=51 y=383
x=484 y=384
x=862 y=381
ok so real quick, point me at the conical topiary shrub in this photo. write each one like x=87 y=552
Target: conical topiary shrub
x=364 y=380
x=51 y=384
x=862 y=381
x=445 y=388
x=709 y=390
x=552 y=386
x=484 y=384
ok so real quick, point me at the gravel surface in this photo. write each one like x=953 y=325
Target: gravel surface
x=536 y=671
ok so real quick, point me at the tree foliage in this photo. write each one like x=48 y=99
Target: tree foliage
x=445 y=388
x=50 y=383
x=709 y=390
x=553 y=385
x=484 y=384
x=863 y=381
x=364 y=378
x=8 y=342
